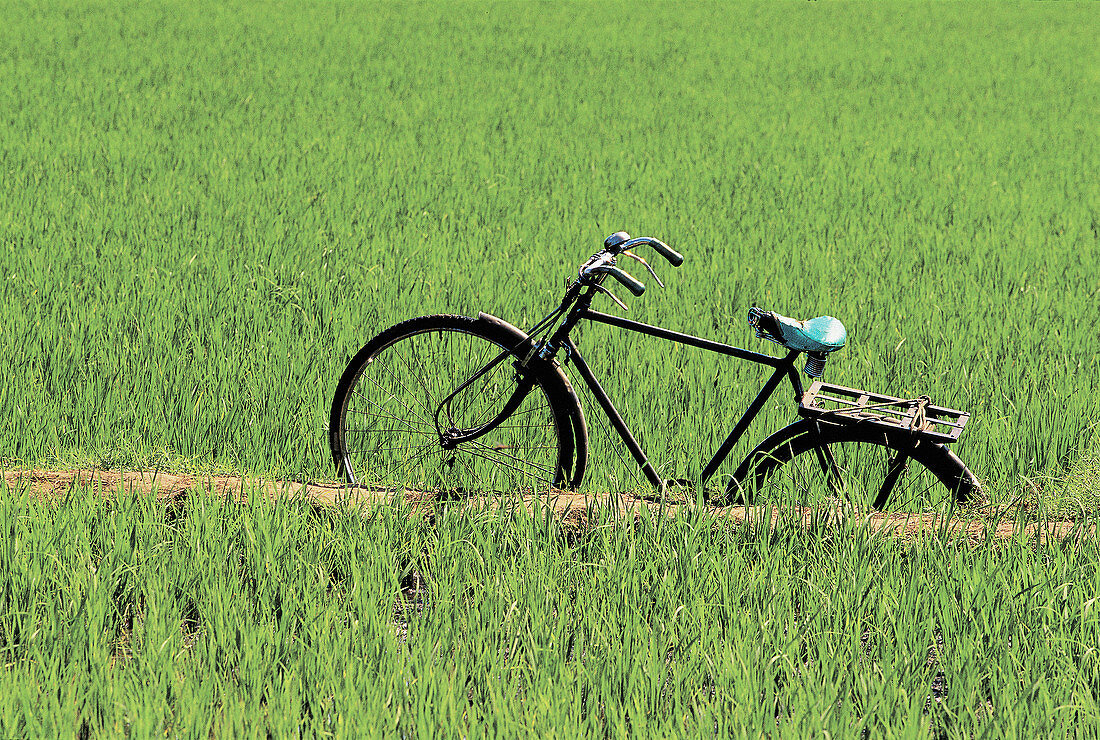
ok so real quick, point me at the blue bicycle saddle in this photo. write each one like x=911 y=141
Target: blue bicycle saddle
x=822 y=334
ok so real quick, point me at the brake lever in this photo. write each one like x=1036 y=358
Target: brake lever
x=645 y=265
x=611 y=295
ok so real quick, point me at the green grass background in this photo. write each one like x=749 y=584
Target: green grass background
x=129 y=618
x=206 y=208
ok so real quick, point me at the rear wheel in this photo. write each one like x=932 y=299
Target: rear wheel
x=865 y=466
x=439 y=403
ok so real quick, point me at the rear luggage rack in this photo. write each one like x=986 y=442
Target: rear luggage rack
x=840 y=405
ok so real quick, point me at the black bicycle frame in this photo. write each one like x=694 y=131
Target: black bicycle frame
x=784 y=367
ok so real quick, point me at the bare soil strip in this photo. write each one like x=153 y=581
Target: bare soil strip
x=572 y=508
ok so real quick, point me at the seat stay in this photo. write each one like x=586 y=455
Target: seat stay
x=897 y=466
x=829 y=467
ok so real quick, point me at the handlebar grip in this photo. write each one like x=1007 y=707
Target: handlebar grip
x=675 y=258
x=630 y=283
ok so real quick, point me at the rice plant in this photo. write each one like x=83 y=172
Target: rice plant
x=206 y=209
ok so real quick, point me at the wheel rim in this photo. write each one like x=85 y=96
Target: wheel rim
x=389 y=431
x=872 y=473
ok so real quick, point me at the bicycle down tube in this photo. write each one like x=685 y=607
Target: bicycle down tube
x=783 y=367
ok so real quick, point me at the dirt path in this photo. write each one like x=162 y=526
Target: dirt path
x=572 y=508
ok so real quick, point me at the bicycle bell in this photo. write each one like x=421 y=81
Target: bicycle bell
x=616 y=239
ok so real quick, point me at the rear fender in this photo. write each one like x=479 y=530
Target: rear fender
x=773 y=441
x=940 y=460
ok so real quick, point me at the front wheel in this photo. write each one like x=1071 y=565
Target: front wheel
x=864 y=465
x=441 y=403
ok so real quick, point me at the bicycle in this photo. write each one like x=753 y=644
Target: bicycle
x=464 y=404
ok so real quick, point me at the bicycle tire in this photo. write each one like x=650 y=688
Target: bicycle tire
x=386 y=413
x=794 y=462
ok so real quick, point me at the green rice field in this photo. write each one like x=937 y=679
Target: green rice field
x=207 y=208
x=272 y=621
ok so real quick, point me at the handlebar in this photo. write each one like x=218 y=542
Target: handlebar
x=620 y=243
x=674 y=258
x=629 y=282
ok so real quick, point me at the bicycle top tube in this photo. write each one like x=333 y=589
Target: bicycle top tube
x=816 y=338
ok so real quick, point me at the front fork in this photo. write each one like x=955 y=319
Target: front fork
x=452 y=437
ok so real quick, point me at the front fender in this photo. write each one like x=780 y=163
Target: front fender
x=523 y=342
x=563 y=392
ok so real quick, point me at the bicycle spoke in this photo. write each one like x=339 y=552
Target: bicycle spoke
x=405 y=405
x=422 y=455
x=400 y=419
x=500 y=449
x=495 y=461
x=470 y=468
x=416 y=370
